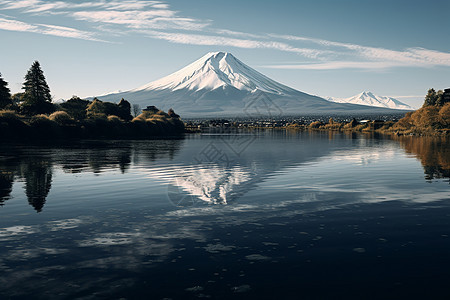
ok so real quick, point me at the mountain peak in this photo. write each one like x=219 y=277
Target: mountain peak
x=370 y=99
x=367 y=94
x=218 y=70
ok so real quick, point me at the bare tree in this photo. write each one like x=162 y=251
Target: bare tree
x=136 y=110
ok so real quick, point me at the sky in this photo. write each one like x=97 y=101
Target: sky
x=321 y=47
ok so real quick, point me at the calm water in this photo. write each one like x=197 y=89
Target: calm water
x=272 y=215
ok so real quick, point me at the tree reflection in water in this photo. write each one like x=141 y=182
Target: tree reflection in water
x=433 y=152
x=38 y=181
x=35 y=165
x=6 y=183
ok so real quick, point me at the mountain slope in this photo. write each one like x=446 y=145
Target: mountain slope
x=369 y=99
x=219 y=85
x=217 y=70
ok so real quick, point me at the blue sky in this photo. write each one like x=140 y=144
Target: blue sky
x=325 y=48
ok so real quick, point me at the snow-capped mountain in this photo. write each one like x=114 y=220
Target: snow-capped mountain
x=370 y=99
x=218 y=70
x=219 y=85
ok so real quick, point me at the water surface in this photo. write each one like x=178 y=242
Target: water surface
x=268 y=215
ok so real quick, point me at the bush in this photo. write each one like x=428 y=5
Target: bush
x=426 y=117
x=8 y=115
x=41 y=120
x=61 y=118
x=76 y=107
x=444 y=115
x=316 y=124
x=11 y=125
x=404 y=123
x=114 y=119
x=107 y=108
x=44 y=128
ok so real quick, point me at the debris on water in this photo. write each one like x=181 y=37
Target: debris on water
x=257 y=257
x=194 y=289
x=359 y=250
x=241 y=289
x=216 y=248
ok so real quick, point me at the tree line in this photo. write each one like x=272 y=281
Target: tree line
x=32 y=113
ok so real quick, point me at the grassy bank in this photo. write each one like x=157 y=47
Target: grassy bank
x=61 y=125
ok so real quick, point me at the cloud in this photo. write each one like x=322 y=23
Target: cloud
x=14 y=25
x=376 y=58
x=19 y=4
x=157 y=20
x=210 y=40
x=334 y=65
x=67 y=32
x=131 y=13
x=152 y=19
x=33 y=6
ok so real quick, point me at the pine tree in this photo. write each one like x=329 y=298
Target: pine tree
x=430 y=98
x=37 y=93
x=5 y=95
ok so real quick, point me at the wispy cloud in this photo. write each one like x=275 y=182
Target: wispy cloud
x=214 y=40
x=130 y=13
x=157 y=20
x=334 y=65
x=32 y=6
x=153 y=19
x=14 y=25
x=369 y=57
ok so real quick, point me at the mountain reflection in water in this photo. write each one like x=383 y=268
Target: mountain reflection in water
x=258 y=215
x=217 y=173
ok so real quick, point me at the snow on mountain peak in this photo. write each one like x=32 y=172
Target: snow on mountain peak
x=370 y=99
x=217 y=70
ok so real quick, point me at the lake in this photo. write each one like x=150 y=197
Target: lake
x=248 y=215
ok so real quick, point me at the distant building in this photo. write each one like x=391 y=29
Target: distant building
x=151 y=108
x=446 y=96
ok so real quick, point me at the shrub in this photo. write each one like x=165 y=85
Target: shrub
x=61 y=118
x=426 y=117
x=121 y=110
x=76 y=107
x=114 y=119
x=145 y=115
x=404 y=123
x=8 y=115
x=444 y=115
x=316 y=124
x=43 y=127
x=11 y=125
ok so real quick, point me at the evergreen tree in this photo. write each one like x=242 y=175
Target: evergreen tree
x=37 y=93
x=430 y=98
x=5 y=95
x=124 y=111
x=440 y=98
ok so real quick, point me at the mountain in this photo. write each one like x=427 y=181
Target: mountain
x=369 y=99
x=220 y=85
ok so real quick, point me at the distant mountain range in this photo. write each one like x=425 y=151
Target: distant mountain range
x=220 y=85
x=370 y=99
